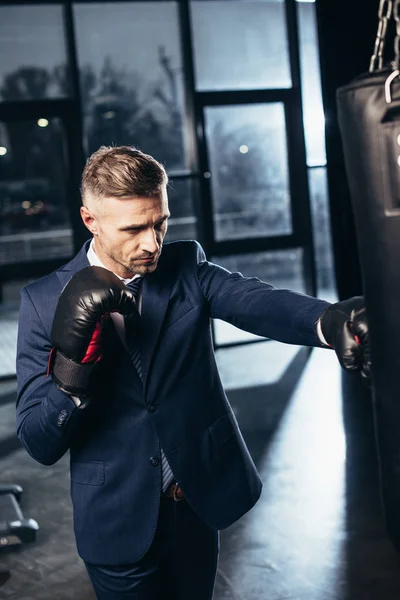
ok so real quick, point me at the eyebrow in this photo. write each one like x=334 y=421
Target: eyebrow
x=130 y=227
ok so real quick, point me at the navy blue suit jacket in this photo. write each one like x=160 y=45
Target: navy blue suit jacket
x=115 y=481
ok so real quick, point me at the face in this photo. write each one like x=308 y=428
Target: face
x=128 y=233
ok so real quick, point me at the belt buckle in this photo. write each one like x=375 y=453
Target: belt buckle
x=175 y=488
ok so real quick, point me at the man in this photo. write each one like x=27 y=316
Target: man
x=115 y=363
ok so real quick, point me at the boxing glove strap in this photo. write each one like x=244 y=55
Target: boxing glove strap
x=71 y=377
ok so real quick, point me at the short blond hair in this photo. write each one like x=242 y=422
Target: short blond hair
x=121 y=171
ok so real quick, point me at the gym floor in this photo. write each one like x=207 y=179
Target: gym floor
x=317 y=531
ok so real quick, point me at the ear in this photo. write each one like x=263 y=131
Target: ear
x=89 y=220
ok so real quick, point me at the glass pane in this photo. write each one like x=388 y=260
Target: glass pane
x=9 y=308
x=313 y=113
x=32 y=39
x=249 y=170
x=8 y=341
x=322 y=234
x=240 y=45
x=34 y=221
x=283 y=269
x=131 y=77
x=182 y=225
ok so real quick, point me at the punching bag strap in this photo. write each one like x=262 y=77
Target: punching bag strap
x=387 y=9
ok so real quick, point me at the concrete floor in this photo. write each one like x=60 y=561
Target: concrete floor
x=317 y=531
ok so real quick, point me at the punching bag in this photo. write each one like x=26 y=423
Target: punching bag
x=369 y=121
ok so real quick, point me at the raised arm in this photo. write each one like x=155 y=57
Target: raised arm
x=51 y=368
x=46 y=416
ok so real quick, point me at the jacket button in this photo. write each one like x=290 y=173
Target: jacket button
x=154 y=461
x=152 y=408
x=61 y=417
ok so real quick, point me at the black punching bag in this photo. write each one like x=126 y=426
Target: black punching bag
x=369 y=121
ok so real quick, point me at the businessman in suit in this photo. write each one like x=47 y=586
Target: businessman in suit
x=115 y=363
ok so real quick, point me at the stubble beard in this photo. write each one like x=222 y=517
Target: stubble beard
x=143 y=269
x=134 y=267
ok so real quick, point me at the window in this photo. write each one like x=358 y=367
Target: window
x=313 y=113
x=240 y=45
x=249 y=170
x=131 y=78
x=182 y=225
x=32 y=39
x=34 y=219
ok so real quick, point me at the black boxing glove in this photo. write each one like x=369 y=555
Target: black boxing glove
x=84 y=304
x=344 y=326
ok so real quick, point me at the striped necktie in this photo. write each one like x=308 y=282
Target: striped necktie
x=132 y=327
x=132 y=334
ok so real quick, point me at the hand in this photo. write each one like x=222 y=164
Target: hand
x=76 y=333
x=345 y=328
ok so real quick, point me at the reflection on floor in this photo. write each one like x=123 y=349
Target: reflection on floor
x=315 y=534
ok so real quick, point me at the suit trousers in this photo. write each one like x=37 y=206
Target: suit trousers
x=181 y=563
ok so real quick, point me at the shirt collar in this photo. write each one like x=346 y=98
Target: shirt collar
x=94 y=261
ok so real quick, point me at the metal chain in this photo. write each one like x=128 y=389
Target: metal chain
x=396 y=14
x=384 y=14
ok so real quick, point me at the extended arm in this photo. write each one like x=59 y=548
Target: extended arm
x=287 y=316
x=260 y=308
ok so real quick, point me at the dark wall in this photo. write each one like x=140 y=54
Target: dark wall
x=347 y=31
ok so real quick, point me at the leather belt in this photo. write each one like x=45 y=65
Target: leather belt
x=174 y=491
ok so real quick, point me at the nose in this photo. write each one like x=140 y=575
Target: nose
x=148 y=242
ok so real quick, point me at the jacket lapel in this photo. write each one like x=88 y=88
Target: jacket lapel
x=116 y=353
x=78 y=263
x=156 y=292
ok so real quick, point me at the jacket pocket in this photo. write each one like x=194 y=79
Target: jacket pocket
x=222 y=430
x=178 y=312
x=88 y=473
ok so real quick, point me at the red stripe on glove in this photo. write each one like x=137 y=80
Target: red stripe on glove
x=94 y=350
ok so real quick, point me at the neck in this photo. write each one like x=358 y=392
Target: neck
x=110 y=264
